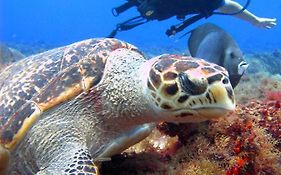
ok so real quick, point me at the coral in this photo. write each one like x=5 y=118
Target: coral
x=245 y=142
x=257 y=86
x=254 y=145
x=270 y=118
x=9 y=55
x=273 y=95
x=195 y=167
x=29 y=48
x=262 y=76
x=265 y=62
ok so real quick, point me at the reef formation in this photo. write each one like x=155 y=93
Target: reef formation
x=247 y=141
x=8 y=55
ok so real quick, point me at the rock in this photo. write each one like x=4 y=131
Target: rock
x=9 y=55
x=264 y=62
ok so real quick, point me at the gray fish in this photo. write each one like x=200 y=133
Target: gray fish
x=213 y=44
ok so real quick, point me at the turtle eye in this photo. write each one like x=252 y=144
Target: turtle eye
x=191 y=87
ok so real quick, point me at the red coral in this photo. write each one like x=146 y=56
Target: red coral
x=273 y=95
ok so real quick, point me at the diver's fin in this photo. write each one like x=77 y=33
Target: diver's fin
x=112 y=34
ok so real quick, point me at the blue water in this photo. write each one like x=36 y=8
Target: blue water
x=61 y=22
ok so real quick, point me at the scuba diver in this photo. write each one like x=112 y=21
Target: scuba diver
x=164 y=9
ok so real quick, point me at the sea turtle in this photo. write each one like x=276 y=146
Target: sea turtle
x=64 y=109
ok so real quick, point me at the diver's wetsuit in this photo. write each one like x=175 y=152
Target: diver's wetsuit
x=164 y=9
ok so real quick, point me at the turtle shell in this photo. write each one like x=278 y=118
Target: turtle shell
x=35 y=84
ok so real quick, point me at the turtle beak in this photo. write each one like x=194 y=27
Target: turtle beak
x=221 y=102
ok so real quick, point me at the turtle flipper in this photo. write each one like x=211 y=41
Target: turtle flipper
x=4 y=160
x=80 y=163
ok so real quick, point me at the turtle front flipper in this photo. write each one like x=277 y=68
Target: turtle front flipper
x=77 y=162
x=4 y=160
x=82 y=163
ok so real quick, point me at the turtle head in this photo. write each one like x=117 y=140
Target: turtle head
x=186 y=89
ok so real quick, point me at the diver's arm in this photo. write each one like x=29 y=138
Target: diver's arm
x=231 y=7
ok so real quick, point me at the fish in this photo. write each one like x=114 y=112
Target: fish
x=213 y=44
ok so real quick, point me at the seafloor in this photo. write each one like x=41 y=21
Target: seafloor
x=246 y=142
